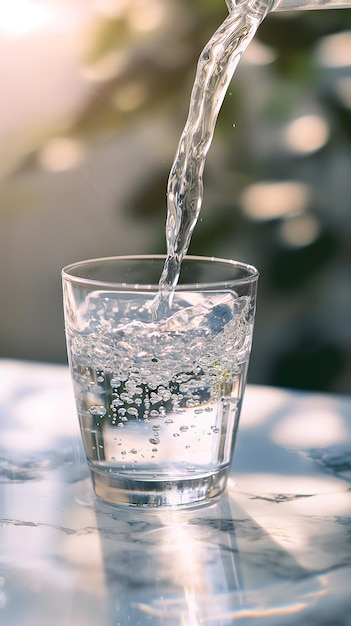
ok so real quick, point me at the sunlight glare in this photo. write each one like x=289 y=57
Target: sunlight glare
x=20 y=17
x=312 y=428
x=261 y=405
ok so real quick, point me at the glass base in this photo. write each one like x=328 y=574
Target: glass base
x=118 y=489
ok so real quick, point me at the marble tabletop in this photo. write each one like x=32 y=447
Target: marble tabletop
x=275 y=550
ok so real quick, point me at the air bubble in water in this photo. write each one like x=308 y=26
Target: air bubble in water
x=154 y=440
x=132 y=411
x=97 y=410
x=116 y=402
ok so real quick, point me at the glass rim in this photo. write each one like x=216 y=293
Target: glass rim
x=68 y=273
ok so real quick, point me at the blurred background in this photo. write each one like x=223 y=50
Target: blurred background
x=94 y=96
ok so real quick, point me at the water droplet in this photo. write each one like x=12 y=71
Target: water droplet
x=154 y=449
x=123 y=453
x=183 y=428
x=169 y=421
x=100 y=379
x=176 y=435
x=134 y=451
x=156 y=427
x=120 y=425
x=113 y=458
x=215 y=429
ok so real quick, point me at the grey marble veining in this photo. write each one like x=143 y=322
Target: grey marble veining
x=275 y=550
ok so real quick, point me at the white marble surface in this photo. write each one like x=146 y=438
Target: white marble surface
x=275 y=550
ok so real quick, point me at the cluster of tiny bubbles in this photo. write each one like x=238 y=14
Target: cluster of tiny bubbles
x=147 y=371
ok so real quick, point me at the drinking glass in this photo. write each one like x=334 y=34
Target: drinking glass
x=159 y=401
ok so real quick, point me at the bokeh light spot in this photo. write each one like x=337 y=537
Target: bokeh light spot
x=271 y=200
x=343 y=91
x=111 y=8
x=306 y=134
x=107 y=67
x=299 y=230
x=146 y=15
x=61 y=153
x=129 y=97
x=259 y=54
x=335 y=50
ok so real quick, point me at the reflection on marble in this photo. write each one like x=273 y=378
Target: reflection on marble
x=274 y=551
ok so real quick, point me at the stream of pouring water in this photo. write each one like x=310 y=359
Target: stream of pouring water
x=215 y=69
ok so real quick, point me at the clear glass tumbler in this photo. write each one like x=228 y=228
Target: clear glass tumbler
x=159 y=401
